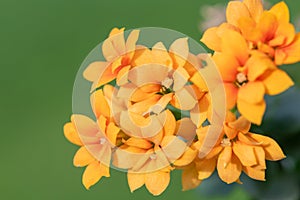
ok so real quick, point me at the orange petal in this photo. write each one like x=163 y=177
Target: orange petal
x=189 y=178
x=231 y=92
x=116 y=31
x=287 y=31
x=257 y=65
x=157 y=182
x=272 y=149
x=248 y=29
x=206 y=167
x=180 y=78
x=93 y=173
x=84 y=125
x=257 y=174
x=100 y=104
x=173 y=147
x=82 y=157
x=94 y=70
x=71 y=134
x=112 y=132
x=277 y=82
x=255 y=8
x=236 y=10
x=214 y=152
x=108 y=50
x=230 y=132
x=200 y=112
x=267 y=25
x=185 y=100
x=139 y=143
x=169 y=125
x=179 y=50
x=145 y=105
x=122 y=77
x=289 y=54
x=229 y=172
x=131 y=41
x=234 y=44
x=160 y=55
x=252 y=92
x=150 y=73
x=245 y=153
x=241 y=124
x=281 y=11
x=252 y=112
x=135 y=180
x=105 y=76
x=227 y=66
x=211 y=39
x=187 y=157
x=186 y=129
x=260 y=157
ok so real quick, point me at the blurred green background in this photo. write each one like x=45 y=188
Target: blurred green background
x=43 y=43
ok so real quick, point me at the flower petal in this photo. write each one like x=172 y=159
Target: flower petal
x=272 y=149
x=184 y=99
x=179 y=50
x=277 y=82
x=169 y=125
x=229 y=172
x=100 y=104
x=187 y=157
x=245 y=153
x=260 y=157
x=281 y=11
x=186 y=129
x=82 y=157
x=235 y=45
x=231 y=92
x=252 y=92
x=94 y=70
x=206 y=167
x=252 y=112
x=180 y=78
x=135 y=180
x=289 y=54
x=173 y=147
x=71 y=134
x=227 y=66
x=189 y=178
x=257 y=174
x=84 y=125
x=131 y=41
x=236 y=10
x=93 y=173
x=211 y=39
x=267 y=25
x=257 y=65
x=139 y=143
x=241 y=124
x=255 y=8
x=157 y=182
x=150 y=73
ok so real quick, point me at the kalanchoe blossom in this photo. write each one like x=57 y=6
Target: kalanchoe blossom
x=95 y=144
x=237 y=151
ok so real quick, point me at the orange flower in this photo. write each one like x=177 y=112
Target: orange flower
x=95 y=144
x=237 y=150
x=248 y=76
x=268 y=31
x=149 y=160
x=118 y=54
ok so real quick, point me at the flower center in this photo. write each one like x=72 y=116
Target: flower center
x=241 y=79
x=153 y=156
x=226 y=142
x=102 y=140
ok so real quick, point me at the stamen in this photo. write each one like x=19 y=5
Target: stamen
x=226 y=142
x=102 y=140
x=167 y=82
x=153 y=156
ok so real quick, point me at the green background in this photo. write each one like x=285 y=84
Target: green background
x=42 y=45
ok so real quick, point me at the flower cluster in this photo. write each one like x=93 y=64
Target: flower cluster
x=249 y=48
x=158 y=109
